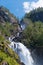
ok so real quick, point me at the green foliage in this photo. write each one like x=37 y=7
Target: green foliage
x=8 y=22
x=7 y=54
x=8 y=29
x=35 y=15
x=34 y=34
x=8 y=59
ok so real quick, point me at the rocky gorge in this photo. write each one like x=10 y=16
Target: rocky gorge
x=21 y=42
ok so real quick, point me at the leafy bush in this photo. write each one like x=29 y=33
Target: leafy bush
x=34 y=34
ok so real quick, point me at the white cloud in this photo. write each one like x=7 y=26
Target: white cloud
x=28 y=6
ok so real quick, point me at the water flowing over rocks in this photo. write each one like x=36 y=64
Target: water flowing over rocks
x=23 y=53
x=35 y=57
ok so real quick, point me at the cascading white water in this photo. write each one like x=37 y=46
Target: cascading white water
x=23 y=53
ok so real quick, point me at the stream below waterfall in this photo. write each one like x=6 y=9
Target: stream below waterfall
x=27 y=57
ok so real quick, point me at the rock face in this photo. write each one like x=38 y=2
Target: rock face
x=37 y=55
x=5 y=15
x=22 y=64
x=5 y=63
x=8 y=22
x=8 y=27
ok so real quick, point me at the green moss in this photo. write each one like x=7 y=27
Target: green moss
x=7 y=54
x=8 y=59
x=2 y=38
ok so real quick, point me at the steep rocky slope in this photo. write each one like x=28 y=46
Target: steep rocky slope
x=8 y=27
x=8 y=22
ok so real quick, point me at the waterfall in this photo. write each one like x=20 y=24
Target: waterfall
x=23 y=53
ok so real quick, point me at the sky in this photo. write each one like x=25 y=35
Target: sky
x=20 y=7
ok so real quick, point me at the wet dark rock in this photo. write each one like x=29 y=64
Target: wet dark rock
x=22 y=63
x=37 y=55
